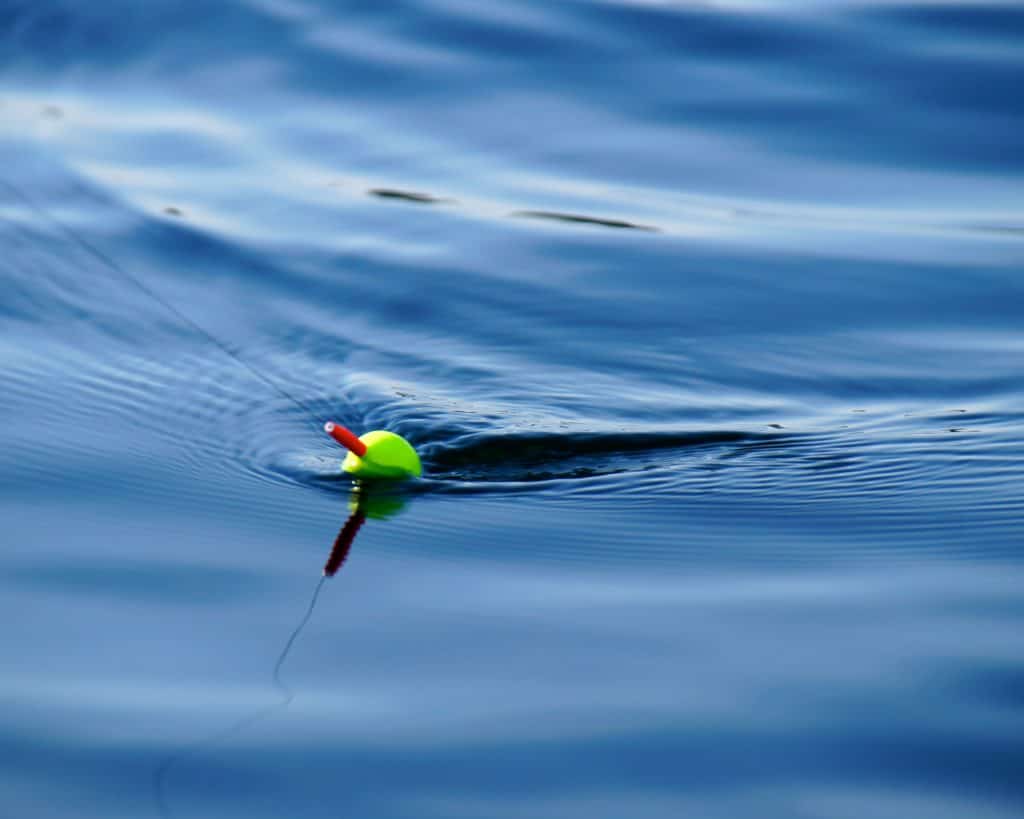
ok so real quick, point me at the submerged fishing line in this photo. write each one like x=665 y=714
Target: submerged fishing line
x=162 y=771
x=111 y=264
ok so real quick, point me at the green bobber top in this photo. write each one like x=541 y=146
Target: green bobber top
x=377 y=454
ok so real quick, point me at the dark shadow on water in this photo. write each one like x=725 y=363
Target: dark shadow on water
x=551 y=447
x=548 y=456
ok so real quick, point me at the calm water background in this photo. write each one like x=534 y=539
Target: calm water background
x=706 y=317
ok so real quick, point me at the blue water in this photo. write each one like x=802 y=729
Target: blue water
x=707 y=319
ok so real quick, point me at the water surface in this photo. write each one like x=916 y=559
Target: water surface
x=706 y=319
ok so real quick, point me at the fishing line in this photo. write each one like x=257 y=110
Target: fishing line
x=108 y=261
x=160 y=774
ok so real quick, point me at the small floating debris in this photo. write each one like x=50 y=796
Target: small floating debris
x=578 y=219
x=173 y=211
x=405 y=196
x=52 y=112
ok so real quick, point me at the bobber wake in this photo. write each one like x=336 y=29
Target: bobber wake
x=377 y=454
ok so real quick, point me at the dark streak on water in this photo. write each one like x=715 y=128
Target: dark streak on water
x=580 y=220
x=710 y=337
x=406 y=196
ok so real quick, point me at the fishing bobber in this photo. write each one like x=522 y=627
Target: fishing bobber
x=377 y=454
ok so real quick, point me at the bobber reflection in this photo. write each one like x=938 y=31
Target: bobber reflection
x=365 y=502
